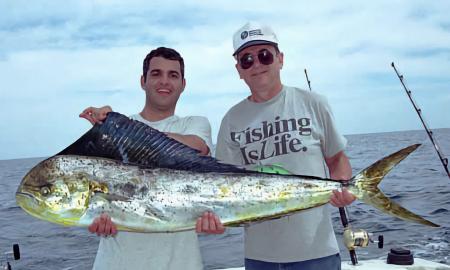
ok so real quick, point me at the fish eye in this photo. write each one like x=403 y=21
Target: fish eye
x=45 y=191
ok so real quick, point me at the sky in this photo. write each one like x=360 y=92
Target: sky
x=59 y=57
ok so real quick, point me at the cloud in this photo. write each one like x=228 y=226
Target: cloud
x=429 y=52
x=58 y=58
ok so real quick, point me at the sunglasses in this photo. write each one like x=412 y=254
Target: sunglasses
x=265 y=57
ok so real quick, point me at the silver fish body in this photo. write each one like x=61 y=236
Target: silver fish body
x=73 y=190
x=161 y=200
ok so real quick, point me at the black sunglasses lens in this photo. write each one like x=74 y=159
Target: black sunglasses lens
x=265 y=57
x=246 y=61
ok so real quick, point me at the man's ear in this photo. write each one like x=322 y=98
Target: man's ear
x=142 y=82
x=237 y=69
x=184 y=84
x=281 y=57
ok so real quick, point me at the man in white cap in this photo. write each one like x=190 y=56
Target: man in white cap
x=278 y=124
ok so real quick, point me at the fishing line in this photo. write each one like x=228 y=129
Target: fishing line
x=443 y=159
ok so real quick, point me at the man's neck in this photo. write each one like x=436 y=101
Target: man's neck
x=265 y=94
x=153 y=115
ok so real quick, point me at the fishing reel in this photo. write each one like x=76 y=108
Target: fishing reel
x=15 y=254
x=360 y=238
x=356 y=238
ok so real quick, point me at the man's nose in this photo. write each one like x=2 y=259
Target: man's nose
x=256 y=62
x=164 y=79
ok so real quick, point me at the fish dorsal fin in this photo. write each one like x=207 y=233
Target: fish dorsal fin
x=133 y=142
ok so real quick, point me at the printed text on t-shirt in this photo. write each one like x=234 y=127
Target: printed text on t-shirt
x=269 y=139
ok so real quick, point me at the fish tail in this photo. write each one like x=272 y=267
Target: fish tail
x=364 y=186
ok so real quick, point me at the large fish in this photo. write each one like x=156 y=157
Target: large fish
x=164 y=196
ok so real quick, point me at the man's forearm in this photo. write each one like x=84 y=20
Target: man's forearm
x=340 y=169
x=192 y=141
x=339 y=166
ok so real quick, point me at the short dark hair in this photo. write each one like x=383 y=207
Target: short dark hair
x=166 y=53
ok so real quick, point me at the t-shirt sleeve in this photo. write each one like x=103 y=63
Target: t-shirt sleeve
x=199 y=126
x=332 y=141
x=227 y=151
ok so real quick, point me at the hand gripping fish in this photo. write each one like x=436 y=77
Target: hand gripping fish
x=148 y=182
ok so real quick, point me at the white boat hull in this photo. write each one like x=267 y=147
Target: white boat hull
x=378 y=264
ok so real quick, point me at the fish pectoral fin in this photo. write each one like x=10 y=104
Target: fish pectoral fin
x=112 y=197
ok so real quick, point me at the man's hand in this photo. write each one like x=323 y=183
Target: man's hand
x=340 y=169
x=95 y=115
x=103 y=226
x=341 y=199
x=209 y=223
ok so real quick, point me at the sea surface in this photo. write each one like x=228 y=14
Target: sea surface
x=419 y=183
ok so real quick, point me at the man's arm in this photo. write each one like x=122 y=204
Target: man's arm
x=97 y=115
x=192 y=141
x=340 y=169
x=339 y=166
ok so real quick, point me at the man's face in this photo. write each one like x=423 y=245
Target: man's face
x=260 y=75
x=163 y=84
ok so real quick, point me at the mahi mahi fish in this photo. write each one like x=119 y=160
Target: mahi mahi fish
x=148 y=182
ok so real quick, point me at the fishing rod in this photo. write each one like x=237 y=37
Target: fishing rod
x=307 y=79
x=16 y=255
x=346 y=225
x=353 y=238
x=357 y=237
x=444 y=160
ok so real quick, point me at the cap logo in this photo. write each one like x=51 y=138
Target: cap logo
x=256 y=32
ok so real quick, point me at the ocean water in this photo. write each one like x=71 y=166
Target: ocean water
x=419 y=183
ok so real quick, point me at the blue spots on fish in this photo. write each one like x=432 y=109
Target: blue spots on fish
x=134 y=142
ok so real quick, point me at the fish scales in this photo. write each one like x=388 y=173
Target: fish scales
x=171 y=200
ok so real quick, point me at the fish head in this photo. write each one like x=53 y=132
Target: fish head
x=50 y=193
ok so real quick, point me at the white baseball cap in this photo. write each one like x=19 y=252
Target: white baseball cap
x=253 y=33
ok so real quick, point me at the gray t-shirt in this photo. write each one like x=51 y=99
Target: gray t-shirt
x=165 y=251
x=295 y=129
